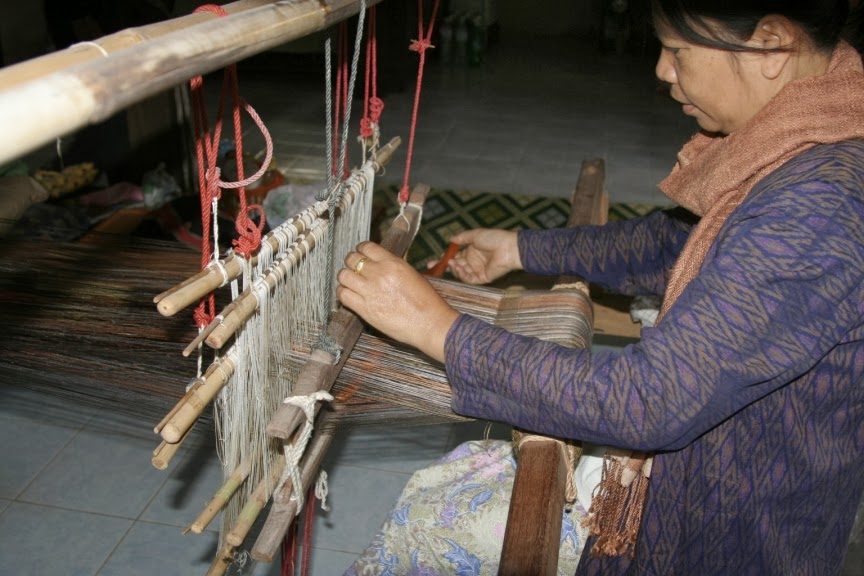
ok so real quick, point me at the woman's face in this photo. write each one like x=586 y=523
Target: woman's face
x=717 y=87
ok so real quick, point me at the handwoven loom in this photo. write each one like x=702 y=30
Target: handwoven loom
x=252 y=372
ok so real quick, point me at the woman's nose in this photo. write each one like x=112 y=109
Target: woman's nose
x=665 y=69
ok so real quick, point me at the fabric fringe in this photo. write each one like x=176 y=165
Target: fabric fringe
x=616 y=509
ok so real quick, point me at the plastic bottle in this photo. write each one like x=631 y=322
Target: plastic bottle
x=476 y=42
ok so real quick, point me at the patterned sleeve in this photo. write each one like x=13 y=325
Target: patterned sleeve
x=782 y=286
x=632 y=257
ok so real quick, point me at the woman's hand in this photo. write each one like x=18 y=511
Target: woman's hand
x=394 y=298
x=489 y=255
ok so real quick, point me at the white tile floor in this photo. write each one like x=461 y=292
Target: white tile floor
x=77 y=492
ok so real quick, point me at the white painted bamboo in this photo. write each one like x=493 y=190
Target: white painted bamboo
x=36 y=111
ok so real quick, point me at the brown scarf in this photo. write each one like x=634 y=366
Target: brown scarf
x=713 y=176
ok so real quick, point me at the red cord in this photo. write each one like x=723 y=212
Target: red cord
x=204 y=147
x=420 y=46
x=372 y=105
x=209 y=184
x=308 y=523
x=341 y=109
x=289 y=551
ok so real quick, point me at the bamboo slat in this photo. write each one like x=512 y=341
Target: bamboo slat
x=36 y=107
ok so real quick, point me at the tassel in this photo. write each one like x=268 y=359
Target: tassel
x=616 y=509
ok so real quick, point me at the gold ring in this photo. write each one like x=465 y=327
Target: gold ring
x=359 y=266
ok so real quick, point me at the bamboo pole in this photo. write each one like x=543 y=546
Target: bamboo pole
x=222 y=562
x=84 y=51
x=210 y=278
x=37 y=107
x=321 y=370
x=220 y=498
x=165 y=452
x=256 y=502
x=187 y=411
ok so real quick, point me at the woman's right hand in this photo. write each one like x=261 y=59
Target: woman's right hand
x=487 y=255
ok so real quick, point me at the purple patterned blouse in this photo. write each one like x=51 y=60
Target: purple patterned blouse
x=751 y=390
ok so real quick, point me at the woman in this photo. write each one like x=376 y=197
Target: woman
x=749 y=389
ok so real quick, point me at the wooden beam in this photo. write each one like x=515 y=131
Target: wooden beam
x=533 y=533
x=38 y=106
x=532 y=536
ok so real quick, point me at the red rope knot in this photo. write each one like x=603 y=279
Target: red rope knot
x=250 y=233
x=196 y=83
x=214 y=179
x=366 y=128
x=376 y=107
x=404 y=194
x=214 y=8
x=202 y=317
x=420 y=45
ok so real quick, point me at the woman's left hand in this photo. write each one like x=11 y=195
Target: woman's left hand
x=390 y=295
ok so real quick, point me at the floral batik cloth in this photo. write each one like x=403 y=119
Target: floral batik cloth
x=451 y=516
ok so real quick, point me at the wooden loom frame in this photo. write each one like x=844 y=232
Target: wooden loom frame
x=89 y=82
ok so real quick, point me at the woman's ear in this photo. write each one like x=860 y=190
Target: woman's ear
x=777 y=36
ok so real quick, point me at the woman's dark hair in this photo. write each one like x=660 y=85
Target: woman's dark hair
x=824 y=21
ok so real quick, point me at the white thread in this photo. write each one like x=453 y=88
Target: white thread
x=242 y=559
x=200 y=358
x=60 y=153
x=217 y=264
x=293 y=452
x=215 y=219
x=322 y=489
x=94 y=45
x=402 y=214
x=260 y=290
x=193 y=382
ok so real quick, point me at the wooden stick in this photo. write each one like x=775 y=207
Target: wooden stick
x=345 y=328
x=187 y=411
x=441 y=266
x=222 y=562
x=256 y=502
x=195 y=385
x=194 y=288
x=37 y=111
x=220 y=498
x=283 y=510
x=211 y=278
x=204 y=334
x=164 y=453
